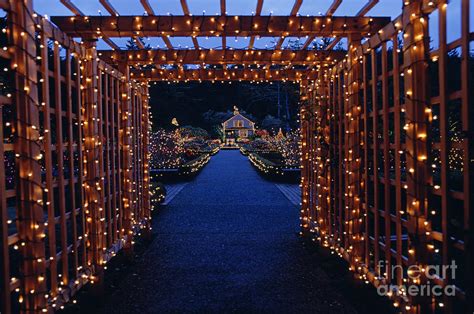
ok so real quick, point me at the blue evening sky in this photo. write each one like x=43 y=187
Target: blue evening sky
x=390 y=8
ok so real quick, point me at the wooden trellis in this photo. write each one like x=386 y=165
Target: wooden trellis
x=73 y=131
x=391 y=156
x=386 y=135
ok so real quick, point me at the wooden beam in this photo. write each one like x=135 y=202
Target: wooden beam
x=242 y=26
x=211 y=56
x=106 y=4
x=4 y=4
x=148 y=9
x=257 y=75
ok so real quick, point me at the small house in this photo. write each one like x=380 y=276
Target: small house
x=237 y=129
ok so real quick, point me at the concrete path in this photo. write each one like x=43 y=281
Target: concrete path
x=228 y=242
x=291 y=191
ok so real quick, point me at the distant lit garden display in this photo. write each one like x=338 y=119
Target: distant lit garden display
x=182 y=151
x=275 y=155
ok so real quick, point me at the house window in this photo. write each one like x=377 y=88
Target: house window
x=238 y=123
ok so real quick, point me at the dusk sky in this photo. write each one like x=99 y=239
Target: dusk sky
x=245 y=7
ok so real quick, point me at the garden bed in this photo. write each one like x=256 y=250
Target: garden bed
x=184 y=171
x=245 y=150
x=273 y=168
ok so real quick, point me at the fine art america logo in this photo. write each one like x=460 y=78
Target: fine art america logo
x=414 y=286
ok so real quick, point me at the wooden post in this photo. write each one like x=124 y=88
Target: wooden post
x=353 y=193
x=321 y=164
x=27 y=148
x=415 y=55
x=5 y=306
x=146 y=158
x=48 y=164
x=61 y=204
x=126 y=164
x=93 y=183
x=305 y=193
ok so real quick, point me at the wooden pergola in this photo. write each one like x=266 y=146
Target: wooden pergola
x=386 y=139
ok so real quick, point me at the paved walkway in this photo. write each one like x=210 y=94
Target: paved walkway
x=172 y=190
x=228 y=243
x=291 y=191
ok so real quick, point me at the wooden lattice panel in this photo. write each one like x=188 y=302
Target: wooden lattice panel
x=398 y=172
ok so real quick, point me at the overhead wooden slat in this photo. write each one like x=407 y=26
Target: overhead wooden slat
x=296 y=7
x=279 y=43
x=333 y=7
x=167 y=42
x=212 y=56
x=241 y=26
x=195 y=43
x=363 y=11
x=294 y=11
x=224 y=75
x=106 y=4
x=258 y=11
x=223 y=7
x=223 y=13
x=308 y=42
x=333 y=43
x=68 y=4
x=185 y=7
x=148 y=9
x=330 y=12
x=366 y=8
x=111 y=43
x=138 y=42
